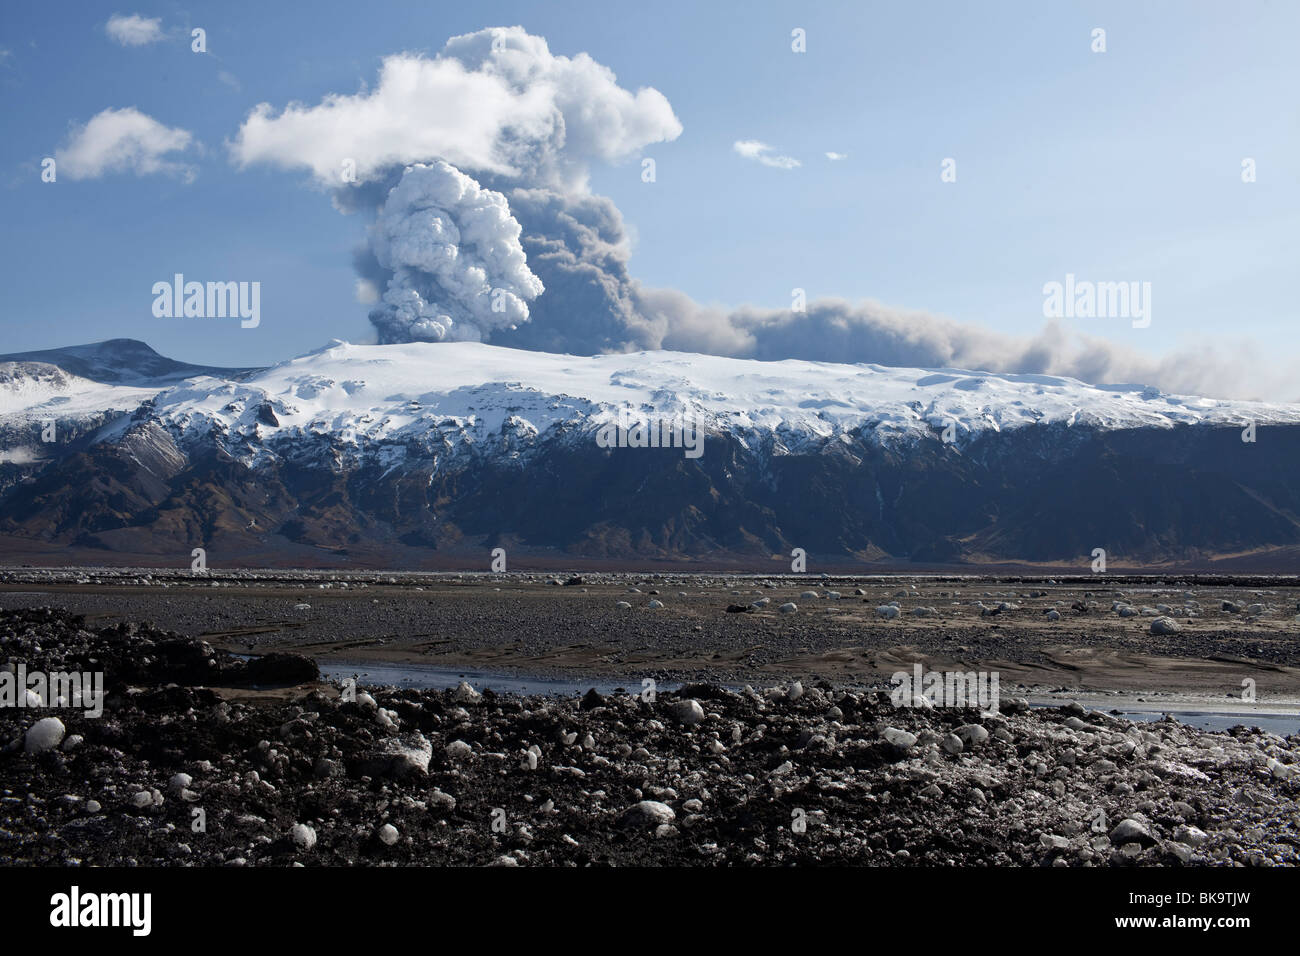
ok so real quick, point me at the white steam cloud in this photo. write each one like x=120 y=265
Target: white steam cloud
x=452 y=247
x=497 y=101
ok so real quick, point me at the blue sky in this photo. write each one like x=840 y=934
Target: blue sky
x=1123 y=165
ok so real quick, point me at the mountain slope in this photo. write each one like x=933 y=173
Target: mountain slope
x=437 y=452
x=120 y=362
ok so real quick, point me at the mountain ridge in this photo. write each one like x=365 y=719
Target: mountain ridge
x=434 y=450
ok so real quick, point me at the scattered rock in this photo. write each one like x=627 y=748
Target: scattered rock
x=46 y=734
x=901 y=739
x=303 y=836
x=648 y=813
x=1129 y=830
x=465 y=694
x=399 y=757
x=686 y=711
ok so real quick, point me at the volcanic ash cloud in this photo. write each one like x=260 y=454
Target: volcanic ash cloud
x=448 y=256
x=458 y=269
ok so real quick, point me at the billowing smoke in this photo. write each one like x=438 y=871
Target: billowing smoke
x=837 y=331
x=578 y=247
x=443 y=254
x=474 y=165
x=451 y=249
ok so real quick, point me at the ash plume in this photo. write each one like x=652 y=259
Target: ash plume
x=451 y=250
x=495 y=106
x=439 y=144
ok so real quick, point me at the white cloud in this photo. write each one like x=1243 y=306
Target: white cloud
x=496 y=101
x=835 y=157
x=133 y=30
x=761 y=152
x=123 y=140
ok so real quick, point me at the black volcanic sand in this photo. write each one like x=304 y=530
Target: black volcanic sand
x=523 y=624
x=706 y=776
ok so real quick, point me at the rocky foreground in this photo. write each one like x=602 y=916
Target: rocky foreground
x=185 y=768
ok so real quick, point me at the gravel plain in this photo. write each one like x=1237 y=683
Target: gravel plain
x=204 y=758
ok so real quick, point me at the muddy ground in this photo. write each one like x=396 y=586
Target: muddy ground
x=532 y=625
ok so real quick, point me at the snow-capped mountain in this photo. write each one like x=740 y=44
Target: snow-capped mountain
x=427 y=449
x=363 y=397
